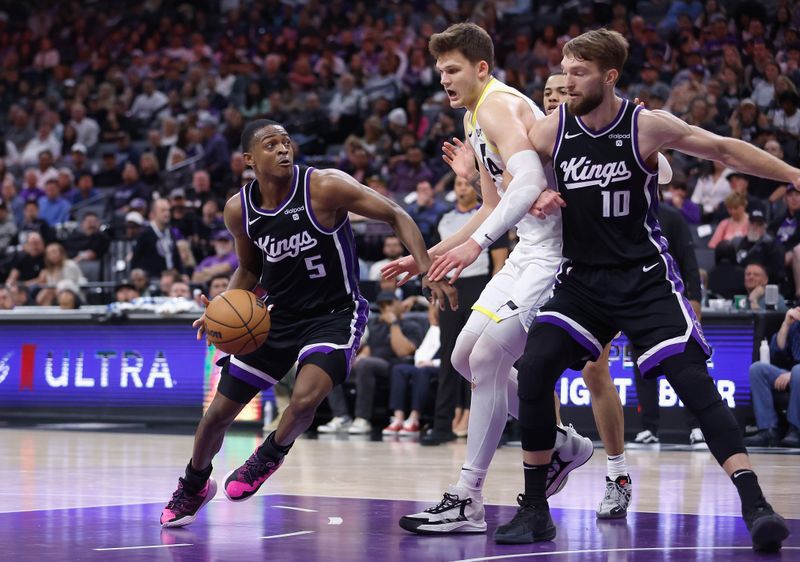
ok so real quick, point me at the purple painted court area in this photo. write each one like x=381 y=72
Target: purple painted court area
x=282 y=527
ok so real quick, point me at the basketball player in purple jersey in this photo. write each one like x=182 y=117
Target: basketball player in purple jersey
x=618 y=274
x=293 y=238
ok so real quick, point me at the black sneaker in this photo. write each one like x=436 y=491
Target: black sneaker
x=764 y=438
x=433 y=438
x=532 y=523
x=767 y=528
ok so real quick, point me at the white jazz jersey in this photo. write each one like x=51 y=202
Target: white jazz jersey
x=530 y=230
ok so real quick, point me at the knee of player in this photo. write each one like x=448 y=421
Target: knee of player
x=596 y=376
x=305 y=404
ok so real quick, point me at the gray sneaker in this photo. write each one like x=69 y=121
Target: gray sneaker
x=618 y=496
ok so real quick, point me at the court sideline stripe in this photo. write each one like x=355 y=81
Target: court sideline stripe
x=295 y=534
x=598 y=550
x=139 y=547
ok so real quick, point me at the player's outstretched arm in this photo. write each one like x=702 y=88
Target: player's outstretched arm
x=342 y=192
x=660 y=129
x=527 y=184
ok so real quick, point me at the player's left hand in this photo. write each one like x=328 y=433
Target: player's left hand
x=458 y=258
x=782 y=382
x=548 y=203
x=200 y=323
x=437 y=291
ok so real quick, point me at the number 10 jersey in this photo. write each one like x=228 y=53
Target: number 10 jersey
x=611 y=217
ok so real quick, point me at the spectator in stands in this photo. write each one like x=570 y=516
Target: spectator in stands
x=390 y=340
x=56 y=268
x=739 y=183
x=6 y=298
x=347 y=104
x=53 y=208
x=726 y=279
x=150 y=173
x=8 y=229
x=677 y=195
x=711 y=190
x=766 y=378
x=141 y=282
x=223 y=262
x=155 y=249
x=180 y=290
x=760 y=247
x=769 y=191
x=747 y=122
x=21 y=129
x=87 y=243
x=167 y=279
x=148 y=103
x=66 y=183
x=234 y=178
x=68 y=295
x=426 y=212
x=418 y=377
x=408 y=172
x=649 y=84
x=31 y=222
x=85 y=191
x=217 y=285
x=109 y=175
x=78 y=161
x=16 y=204
x=44 y=140
x=734 y=226
x=27 y=264
x=87 y=129
x=215 y=149
x=125 y=291
x=756 y=278
x=182 y=211
x=45 y=168
x=31 y=190
x=130 y=189
x=200 y=190
x=392 y=249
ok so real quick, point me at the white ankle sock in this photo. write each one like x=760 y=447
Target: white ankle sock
x=616 y=466
x=472 y=479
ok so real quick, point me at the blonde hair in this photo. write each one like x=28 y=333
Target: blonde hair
x=736 y=199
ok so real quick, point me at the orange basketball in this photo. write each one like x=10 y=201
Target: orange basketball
x=237 y=322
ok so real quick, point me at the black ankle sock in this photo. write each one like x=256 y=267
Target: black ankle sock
x=535 y=481
x=750 y=492
x=194 y=480
x=270 y=450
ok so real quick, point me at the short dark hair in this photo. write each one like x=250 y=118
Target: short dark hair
x=252 y=128
x=469 y=39
x=219 y=276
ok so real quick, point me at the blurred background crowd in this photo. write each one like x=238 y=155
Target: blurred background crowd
x=120 y=125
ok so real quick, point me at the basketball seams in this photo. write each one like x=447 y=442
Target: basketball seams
x=249 y=336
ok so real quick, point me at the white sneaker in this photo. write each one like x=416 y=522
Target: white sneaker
x=337 y=424
x=360 y=426
x=458 y=512
x=696 y=439
x=646 y=437
x=574 y=452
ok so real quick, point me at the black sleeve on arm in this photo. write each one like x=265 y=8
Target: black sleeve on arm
x=501 y=242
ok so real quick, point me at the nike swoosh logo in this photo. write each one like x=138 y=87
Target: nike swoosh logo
x=647 y=268
x=254 y=220
x=568 y=136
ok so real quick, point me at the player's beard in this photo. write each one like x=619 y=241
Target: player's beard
x=586 y=103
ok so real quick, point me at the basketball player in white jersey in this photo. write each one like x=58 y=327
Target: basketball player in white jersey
x=496 y=122
x=619 y=274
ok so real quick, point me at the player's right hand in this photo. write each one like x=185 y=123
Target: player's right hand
x=548 y=203
x=460 y=158
x=200 y=323
x=397 y=267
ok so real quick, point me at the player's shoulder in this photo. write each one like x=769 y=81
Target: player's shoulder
x=232 y=214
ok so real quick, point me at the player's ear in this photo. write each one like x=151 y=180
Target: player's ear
x=248 y=159
x=612 y=76
x=483 y=69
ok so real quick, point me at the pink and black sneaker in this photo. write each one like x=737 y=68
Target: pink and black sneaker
x=183 y=507
x=241 y=483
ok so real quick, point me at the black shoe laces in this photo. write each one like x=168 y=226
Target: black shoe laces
x=449 y=501
x=254 y=468
x=181 y=498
